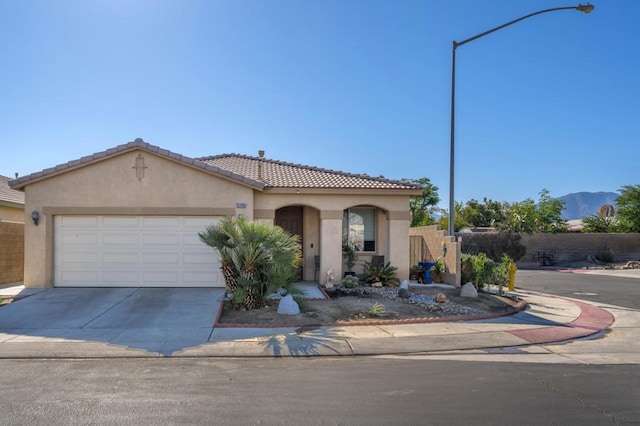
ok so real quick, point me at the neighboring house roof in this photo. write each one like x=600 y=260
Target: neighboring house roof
x=278 y=174
x=10 y=196
x=120 y=149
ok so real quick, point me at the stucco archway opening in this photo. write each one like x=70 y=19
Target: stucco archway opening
x=303 y=221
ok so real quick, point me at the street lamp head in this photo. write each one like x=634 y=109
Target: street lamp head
x=586 y=8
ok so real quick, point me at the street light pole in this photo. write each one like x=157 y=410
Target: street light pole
x=587 y=8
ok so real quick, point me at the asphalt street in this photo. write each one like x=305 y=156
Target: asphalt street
x=612 y=290
x=316 y=391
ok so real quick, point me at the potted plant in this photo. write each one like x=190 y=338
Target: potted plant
x=416 y=273
x=349 y=252
x=437 y=271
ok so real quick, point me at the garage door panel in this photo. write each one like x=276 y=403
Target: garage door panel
x=161 y=239
x=80 y=238
x=161 y=222
x=123 y=251
x=120 y=239
x=79 y=276
x=161 y=258
x=120 y=222
x=81 y=258
x=120 y=257
x=121 y=277
x=79 y=221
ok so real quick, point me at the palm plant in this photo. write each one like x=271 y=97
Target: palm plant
x=385 y=274
x=256 y=259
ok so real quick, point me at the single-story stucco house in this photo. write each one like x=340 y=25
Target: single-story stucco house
x=130 y=216
x=11 y=202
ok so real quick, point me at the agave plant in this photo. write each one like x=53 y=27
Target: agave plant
x=256 y=259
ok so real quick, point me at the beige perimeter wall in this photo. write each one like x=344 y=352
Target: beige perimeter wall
x=11 y=252
x=571 y=247
x=11 y=214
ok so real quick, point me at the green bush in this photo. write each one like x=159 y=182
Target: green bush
x=605 y=256
x=466 y=268
x=350 y=281
x=386 y=274
x=482 y=271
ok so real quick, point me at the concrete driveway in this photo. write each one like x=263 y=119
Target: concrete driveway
x=161 y=320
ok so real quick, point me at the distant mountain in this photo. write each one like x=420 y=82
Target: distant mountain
x=582 y=204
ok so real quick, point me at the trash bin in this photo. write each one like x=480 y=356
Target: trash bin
x=427 y=270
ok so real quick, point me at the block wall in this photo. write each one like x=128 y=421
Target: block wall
x=11 y=252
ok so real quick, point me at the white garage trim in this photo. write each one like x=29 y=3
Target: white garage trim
x=134 y=251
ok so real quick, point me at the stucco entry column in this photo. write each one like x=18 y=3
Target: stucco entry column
x=330 y=245
x=399 y=242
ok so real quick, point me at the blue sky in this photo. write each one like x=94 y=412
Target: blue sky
x=360 y=86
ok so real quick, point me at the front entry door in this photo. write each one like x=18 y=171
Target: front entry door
x=290 y=219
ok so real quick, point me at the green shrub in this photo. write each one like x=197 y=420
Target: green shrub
x=350 y=281
x=466 y=268
x=605 y=256
x=482 y=270
x=386 y=274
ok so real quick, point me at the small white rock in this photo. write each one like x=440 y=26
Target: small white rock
x=288 y=306
x=468 y=290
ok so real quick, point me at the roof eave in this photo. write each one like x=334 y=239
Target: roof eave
x=345 y=191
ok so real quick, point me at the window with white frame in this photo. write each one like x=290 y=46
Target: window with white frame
x=359 y=228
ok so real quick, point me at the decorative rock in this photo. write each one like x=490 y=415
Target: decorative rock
x=403 y=293
x=468 y=290
x=441 y=297
x=632 y=264
x=376 y=284
x=288 y=306
x=404 y=285
x=274 y=296
x=282 y=291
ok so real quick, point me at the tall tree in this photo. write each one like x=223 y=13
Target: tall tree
x=422 y=206
x=529 y=217
x=485 y=214
x=628 y=215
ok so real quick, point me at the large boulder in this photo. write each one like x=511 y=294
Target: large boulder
x=288 y=306
x=468 y=290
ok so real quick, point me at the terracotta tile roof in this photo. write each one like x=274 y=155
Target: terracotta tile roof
x=278 y=174
x=10 y=195
x=137 y=144
x=241 y=168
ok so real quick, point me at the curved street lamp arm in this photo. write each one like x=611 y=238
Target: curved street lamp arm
x=583 y=8
x=587 y=8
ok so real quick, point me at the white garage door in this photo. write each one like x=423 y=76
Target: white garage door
x=134 y=251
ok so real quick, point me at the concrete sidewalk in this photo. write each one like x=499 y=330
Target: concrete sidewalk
x=547 y=319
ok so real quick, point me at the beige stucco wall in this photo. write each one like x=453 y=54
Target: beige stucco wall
x=111 y=187
x=392 y=223
x=432 y=241
x=11 y=214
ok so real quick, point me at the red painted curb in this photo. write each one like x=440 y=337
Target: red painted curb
x=590 y=321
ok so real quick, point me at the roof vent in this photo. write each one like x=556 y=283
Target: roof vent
x=261 y=155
